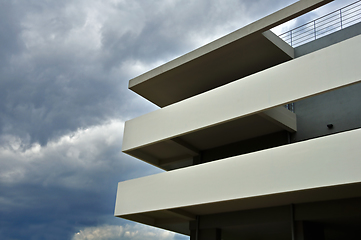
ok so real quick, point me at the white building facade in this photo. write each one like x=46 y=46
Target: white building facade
x=239 y=164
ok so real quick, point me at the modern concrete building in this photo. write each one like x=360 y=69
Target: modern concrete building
x=259 y=139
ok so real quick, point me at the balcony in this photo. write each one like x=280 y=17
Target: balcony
x=243 y=109
x=325 y=25
x=314 y=170
x=244 y=52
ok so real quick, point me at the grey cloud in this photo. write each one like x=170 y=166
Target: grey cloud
x=9 y=32
x=48 y=192
x=76 y=161
x=170 y=28
x=56 y=85
x=40 y=212
x=73 y=72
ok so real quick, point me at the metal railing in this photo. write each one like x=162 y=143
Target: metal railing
x=290 y=106
x=332 y=22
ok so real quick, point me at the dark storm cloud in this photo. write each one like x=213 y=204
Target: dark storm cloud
x=49 y=192
x=167 y=29
x=9 y=31
x=54 y=83
x=67 y=62
x=54 y=217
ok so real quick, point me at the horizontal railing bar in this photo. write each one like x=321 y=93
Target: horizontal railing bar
x=352 y=6
x=299 y=28
x=351 y=12
x=337 y=15
x=328 y=23
x=350 y=18
x=355 y=19
x=324 y=25
x=310 y=34
x=294 y=36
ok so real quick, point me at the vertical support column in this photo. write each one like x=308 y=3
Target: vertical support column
x=194 y=229
x=203 y=234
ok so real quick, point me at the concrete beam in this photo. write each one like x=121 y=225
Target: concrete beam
x=327 y=69
x=288 y=13
x=218 y=62
x=189 y=149
x=263 y=178
x=181 y=214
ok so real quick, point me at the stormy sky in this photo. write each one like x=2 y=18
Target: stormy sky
x=64 y=72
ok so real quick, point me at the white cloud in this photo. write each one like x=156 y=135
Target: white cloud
x=68 y=161
x=131 y=232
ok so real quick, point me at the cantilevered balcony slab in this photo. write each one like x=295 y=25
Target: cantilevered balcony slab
x=315 y=170
x=246 y=51
x=231 y=112
x=179 y=151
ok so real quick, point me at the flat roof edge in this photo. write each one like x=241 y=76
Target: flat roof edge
x=281 y=16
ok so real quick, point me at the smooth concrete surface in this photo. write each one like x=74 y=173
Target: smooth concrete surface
x=325 y=70
x=181 y=150
x=246 y=146
x=341 y=108
x=314 y=170
x=247 y=56
x=229 y=58
x=229 y=150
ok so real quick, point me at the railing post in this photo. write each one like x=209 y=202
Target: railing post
x=314 y=28
x=352 y=11
x=291 y=38
x=341 y=17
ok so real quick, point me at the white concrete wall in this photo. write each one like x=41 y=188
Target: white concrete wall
x=328 y=161
x=324 y=70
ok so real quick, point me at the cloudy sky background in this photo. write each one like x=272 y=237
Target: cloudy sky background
x=64 y=71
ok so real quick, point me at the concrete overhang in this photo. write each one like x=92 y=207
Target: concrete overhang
x=232 y=112
x=315 y=170
x=180 y=151
x=248 y=50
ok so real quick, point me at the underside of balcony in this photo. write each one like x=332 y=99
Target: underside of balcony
x=244 y=52
x=183 y=150
x=244 y=57
x=244 y=109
